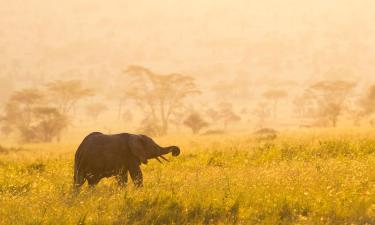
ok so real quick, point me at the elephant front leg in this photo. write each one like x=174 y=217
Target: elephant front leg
x=122 y=178
x=136 y=175
x=93 y=180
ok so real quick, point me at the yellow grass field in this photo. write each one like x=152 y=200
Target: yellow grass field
x=301 y=177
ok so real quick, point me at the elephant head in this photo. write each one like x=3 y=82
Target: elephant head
x=145 y=148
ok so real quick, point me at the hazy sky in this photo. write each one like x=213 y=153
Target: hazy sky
x=275 y=38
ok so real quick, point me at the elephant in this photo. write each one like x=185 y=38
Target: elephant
x=100 y=155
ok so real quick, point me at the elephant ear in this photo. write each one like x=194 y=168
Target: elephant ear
x=137 y=148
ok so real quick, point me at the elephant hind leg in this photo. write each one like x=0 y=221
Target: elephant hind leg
x=122 y=177
x=93 y=180
x=78 y=181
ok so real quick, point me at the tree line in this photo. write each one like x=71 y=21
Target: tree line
x=42 y=114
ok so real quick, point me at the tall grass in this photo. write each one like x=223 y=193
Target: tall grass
x=297 y=178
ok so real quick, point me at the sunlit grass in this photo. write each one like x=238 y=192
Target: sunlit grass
x=304 y=177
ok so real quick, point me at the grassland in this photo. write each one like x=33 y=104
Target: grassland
x=301 y=177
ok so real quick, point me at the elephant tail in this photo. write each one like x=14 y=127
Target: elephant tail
x=78 y=178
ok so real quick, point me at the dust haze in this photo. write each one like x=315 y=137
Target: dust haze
x=166 y=67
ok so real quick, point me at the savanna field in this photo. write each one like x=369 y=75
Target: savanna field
x=299 y=177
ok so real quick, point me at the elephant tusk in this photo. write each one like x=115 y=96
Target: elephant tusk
x=158 y=160
x=164 y=158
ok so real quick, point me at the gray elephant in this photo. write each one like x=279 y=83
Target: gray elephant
x=101 y=155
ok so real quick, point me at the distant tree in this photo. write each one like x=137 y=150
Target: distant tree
x=363 y=107
x=262 y=112
x=213 y=114
x=300 y=108
x=95 y=109
x=150 y=127
x=48 y=124
x=329 y=98
x=304 y=107
x=275 y=96
x=227 y=114
x=26 y=113
x=223 y=113
x=195 y=122
x=177 y=118
x=65 y=94
x=159 y=95
x=367 y=102
x=19 y=108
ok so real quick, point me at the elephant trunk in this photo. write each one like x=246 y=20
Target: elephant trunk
x=171 y=149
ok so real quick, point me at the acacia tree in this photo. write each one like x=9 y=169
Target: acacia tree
x=329 y=98
x=227 y=114
x=159 y=96
x=18 y=110
x=49 y=123
x=195 y=122
x=303 y=106
x=213 y=114
x=65 y=94
x=275 y=96
x=26 y=112
x=262 y=112
x=366 y=104
x=224 y=113
x=177 y=118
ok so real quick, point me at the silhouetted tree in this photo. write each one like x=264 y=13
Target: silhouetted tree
x=177 y=118
x=223 y=113
x=364 y=106
x=18 y=109
x=159 y=95
x=367 y=102
x=150 y=127
x=213 y=114
x=65 y=94
x=195 y=122
x=329 y=98
x=49 y=123
x=26 y=113
x=227 y=114
x=304 y=107
x=275 y=96
x=262 y=112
